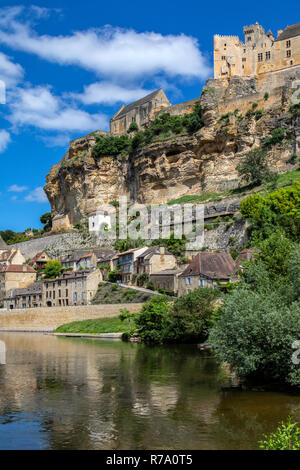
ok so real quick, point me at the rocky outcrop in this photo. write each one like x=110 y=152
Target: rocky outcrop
x=204 y=162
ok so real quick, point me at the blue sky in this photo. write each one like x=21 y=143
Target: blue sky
x=68 y=66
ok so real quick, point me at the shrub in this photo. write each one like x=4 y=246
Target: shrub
x=255 y=334
x=112 y=276
x=276 y=137
x=153 y=319
x=286 y=437
x=254 y=168
x=266 y=96
x=132 y=128
x=111 y=145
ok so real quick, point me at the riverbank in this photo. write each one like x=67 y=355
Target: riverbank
x=48 y=319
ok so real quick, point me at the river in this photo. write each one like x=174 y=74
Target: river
x=73 y=393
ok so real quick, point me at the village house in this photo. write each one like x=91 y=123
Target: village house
x=39 y=261
x=259 y=54
x=141 y=112
x=123 y=263
x=13 y=256
x=79 y=260
x=207 y=270
x=28 y=297
x=71 y=288
x=154 y=259
x=166 y=279
x=15 y=276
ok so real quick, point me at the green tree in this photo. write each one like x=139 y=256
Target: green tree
x=53 y=269
x=46 y=220
x=254 y=168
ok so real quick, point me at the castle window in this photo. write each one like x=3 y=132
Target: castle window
x=268 y=55
x=223 y=57
x=288 y=44
x=249 y=38
x=288 y=53
x=291 y=62
x=244 y=59
x=244 y=51
x=260 y=57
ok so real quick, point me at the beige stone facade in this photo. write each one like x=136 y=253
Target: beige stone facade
x=13 y=256
x=153 y=260
x=76 y=288
x=166 y=279
x=141 y=112
x=259 y=54
x=29 y=297
x=15 y=277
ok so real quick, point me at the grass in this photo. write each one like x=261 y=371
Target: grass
x=114 y=294
x=285 y=179
x=96 y=326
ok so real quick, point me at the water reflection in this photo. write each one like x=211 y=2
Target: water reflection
x=70 y=393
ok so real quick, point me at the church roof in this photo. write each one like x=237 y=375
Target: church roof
x=290 y=32
x=136 y=104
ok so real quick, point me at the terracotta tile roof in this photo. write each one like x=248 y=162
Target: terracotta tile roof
x=212 y=265
x=16 y=268
x=289 y=32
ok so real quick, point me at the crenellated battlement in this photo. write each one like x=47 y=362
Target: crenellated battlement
x=258 y=55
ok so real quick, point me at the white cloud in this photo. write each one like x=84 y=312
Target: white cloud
x=108 y=51
x=109 y=93
x=5 y=139
x=10 y=72
x=37 y=195
x=38 y=107
x=17 y=189
x=59 y=140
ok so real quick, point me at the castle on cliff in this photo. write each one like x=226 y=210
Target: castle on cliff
x=260 y=54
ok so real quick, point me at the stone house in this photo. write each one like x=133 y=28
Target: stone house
x=79 y=260
x=166 y=279
x=141 y=112
x=71 y=288
x=40 y=260
x=259 y=54
x=15 y=276
x=154 y=259
x=207 y=270
x=28 y=297
x=123 y=263
x=12 y=256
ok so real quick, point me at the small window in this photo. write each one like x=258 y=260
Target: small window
x=244 y=59
x=288 y=53
x=288 y=44
x=268 y=55
x=223 y=57
x=249 y=38
x=260 y=57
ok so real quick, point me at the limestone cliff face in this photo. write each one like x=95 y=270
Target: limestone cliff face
x=203 y=162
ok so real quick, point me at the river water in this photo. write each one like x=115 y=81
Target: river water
x=73 y=393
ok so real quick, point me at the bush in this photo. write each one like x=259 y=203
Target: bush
x=112 y=276
x=254 y=168
x=111 y=145
x=276 y=137
x=188 y=319
x=191 y=315
x=153 y=320
x=286 y=437
x=132 y=128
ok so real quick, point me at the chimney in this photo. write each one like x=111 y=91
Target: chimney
x=279 y=32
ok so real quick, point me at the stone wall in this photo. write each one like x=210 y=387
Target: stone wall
x=62 y=242
x=51 y=318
